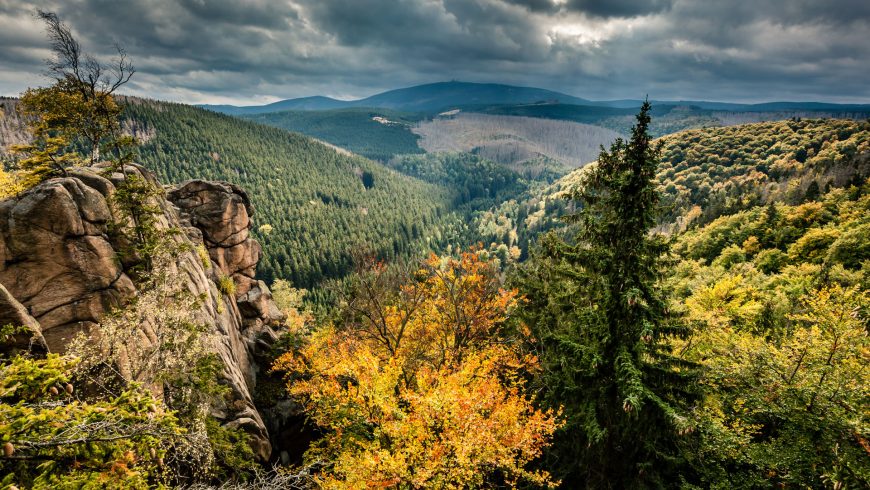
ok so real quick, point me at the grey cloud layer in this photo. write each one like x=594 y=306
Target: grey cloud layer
x=258 y=50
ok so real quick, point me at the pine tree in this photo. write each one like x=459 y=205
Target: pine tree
x=597 y=306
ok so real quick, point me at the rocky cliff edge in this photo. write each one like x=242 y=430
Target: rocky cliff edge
x=60 y=272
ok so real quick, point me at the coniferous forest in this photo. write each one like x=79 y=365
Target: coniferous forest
x=314 y=294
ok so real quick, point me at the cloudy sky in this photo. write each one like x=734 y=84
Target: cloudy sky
x=255 y=51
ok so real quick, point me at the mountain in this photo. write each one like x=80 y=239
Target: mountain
x=448 y=95
x=431 y=97
x=736 y=106
x=435 y=97
x=315 y=103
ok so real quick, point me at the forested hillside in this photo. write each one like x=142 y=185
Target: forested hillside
x=314 y=206
x=764 y=249
x=378 y=134
x=707 y=173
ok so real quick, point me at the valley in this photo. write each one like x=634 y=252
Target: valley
x=320 y=204
x=434 y=183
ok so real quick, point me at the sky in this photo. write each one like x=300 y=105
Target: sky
x=259 y=51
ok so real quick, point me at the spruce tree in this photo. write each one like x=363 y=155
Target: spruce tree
x=596 y=304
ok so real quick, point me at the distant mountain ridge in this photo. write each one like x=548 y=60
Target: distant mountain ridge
x=430 y=97
x=315 y=103
x=434 y=97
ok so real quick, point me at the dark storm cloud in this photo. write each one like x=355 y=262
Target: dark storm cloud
x=258 y=50
x=619 y=8
x=598 y=8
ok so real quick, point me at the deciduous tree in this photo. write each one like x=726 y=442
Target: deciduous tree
x=418 y=387
x=788 y=411
x=75 y=120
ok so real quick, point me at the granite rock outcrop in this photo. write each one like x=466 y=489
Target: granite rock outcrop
x=61 y=272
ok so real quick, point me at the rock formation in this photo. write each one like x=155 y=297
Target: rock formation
x=27 y=336
x=60 y=272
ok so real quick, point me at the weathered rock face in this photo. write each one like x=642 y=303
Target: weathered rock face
x=220 y=213
x=55 y=257
x=60 y=272
x=28 y=336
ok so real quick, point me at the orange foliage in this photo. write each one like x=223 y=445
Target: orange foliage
x=419 y=388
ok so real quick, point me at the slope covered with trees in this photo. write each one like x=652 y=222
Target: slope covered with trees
x=672 y=117
x=319 y=205
x=378 y=134
x=720 y=350
x=707 y=173
x=734 y=356
x=779 y=297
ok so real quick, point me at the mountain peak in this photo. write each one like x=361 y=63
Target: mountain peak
x=430 y=97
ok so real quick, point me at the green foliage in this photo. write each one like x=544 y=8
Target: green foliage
x=204 y=258
x=813 y=245
x=53 y=113
x=290 y=301
x=59 y=438
x=355 y=130
x=771 y=260
x=314 y=198
x=852 y=247
x=783 y=343
x=829 y=232
x=597 y=305
x=470 y=178
x=8 y=333
x=718 y=172
x=731 y=255
x=136 y=217
x=726 y=170
x=232 y=451
x=789 y=412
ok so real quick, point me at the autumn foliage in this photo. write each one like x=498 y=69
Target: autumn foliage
x=418 y=387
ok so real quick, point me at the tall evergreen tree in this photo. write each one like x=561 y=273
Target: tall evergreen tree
x=596 y=304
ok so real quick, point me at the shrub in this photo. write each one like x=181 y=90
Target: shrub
x=227 y=286
x=851 y=248
x=202 y=253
